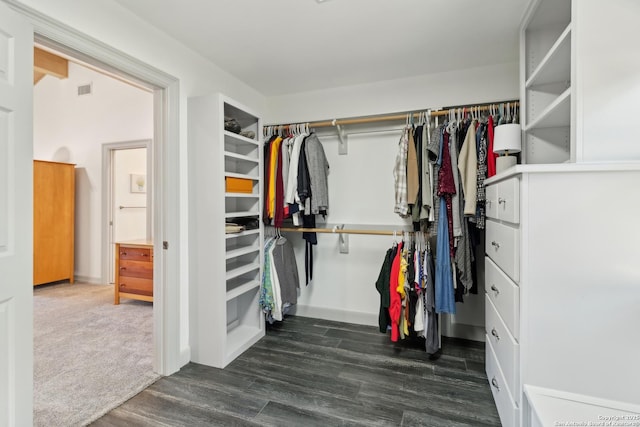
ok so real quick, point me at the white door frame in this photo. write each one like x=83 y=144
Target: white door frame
x=108 y=150
x=166 y=197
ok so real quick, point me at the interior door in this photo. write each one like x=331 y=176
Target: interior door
x=16 y=228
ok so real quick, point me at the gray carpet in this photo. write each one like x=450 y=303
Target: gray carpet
x=89 y=355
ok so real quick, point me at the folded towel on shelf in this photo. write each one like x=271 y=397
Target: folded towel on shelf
x=231 y=227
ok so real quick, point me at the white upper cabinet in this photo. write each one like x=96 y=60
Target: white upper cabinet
x=580 y=81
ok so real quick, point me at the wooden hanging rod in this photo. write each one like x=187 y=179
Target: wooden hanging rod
x=346 y=231
x=399 y=116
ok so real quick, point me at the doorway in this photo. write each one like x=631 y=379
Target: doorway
x=126 y=193
x=165 y=196
x=70 y=126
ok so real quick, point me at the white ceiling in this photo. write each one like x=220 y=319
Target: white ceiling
x=288 y=46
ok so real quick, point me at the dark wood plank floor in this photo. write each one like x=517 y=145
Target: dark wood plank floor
x=311 y=372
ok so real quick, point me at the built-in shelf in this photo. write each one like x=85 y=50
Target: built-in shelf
x=239 y=139
x=226 y=316
x=240 y=338
x=242 y=195
x=241 y=251
x=557 y=114
x=556 y=65
x=241 y=157
x=240 y=175
x=239 y=271
x=242 y=233
x=243 y=288
x=241 y=214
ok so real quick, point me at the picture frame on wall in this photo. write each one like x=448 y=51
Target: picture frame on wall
x=138 y=183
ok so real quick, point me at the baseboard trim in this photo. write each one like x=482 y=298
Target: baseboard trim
x=468 y=332
x=185 y=356
x=89 y=280
x=337 y=315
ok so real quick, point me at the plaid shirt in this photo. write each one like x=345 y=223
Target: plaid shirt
x=400 y=176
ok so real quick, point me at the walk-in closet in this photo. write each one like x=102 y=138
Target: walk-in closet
x=366 y=212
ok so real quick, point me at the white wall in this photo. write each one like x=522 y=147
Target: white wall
x=477 y=85
x=130 y=223
x=109 y=23
x=72 y=128
x=607 y=80
x=361 y=183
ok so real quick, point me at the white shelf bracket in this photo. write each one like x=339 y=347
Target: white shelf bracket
x=343 y=137
x=343 y=239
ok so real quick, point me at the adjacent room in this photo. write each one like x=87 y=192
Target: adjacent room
x=92 y=134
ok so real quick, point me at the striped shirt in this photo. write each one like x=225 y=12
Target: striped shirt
x=400 y=176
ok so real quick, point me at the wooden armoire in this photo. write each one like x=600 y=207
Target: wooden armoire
x=53 y=221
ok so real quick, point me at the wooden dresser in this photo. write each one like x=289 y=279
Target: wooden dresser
x=134 y=271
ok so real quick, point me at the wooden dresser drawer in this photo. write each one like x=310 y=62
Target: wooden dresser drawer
x=505 y=296
x=501 y=394
x=135 y=254
x=504 y=345
x=141 y=269
x=136 y=285
x=134 y=271
x=502 y=245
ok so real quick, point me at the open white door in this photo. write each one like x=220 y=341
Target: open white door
x=16 y=219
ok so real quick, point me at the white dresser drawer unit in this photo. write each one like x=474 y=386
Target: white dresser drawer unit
x=505 y=296
x=504 y=401
x=504 y=345
x=502 y=245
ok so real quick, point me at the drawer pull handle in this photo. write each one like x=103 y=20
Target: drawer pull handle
x=495 y=334
x=501 y=200
x=123 y=254
x=122 y=285
x=494 y=289
x=488 y=203
x=494 y=383
x=495 y=244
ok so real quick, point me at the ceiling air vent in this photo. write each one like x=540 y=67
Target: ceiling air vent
x=84 y=89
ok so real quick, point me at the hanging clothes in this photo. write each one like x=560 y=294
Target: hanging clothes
x=395 y=302
x=468 y=168
x=491 y=156
x=318 y=169
x=382 y=285
x=400 y=176
x=432 y=333
x=280 y=283
x=482 y=175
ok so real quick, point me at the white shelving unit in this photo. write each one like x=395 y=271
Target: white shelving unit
x=225 y=268
x=545 y=52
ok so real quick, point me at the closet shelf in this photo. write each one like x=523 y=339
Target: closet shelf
x=241 y=175
x=242 y=233
x=242 y=251
x=556 y=65
x=242 y=195
x=241 y=214
x=241 y=338
x=241 y=157
x=239 y=139
x=244 y=288
x=557 y=114
x=242 y=270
